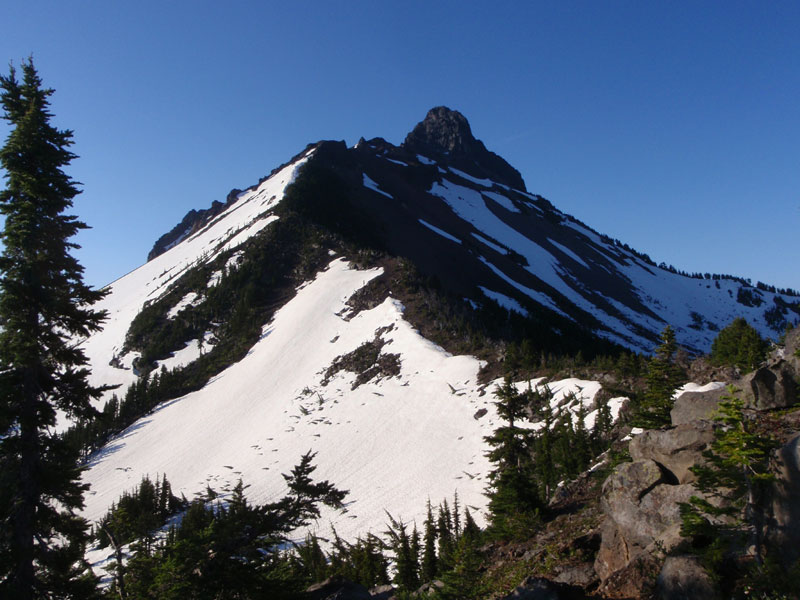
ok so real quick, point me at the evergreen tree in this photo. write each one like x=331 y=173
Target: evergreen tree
x=739 y=345
x=663 y=377
x=733 y=481
x=44 y=310
x=514 y=501
x=406 y=554
x=430 y=564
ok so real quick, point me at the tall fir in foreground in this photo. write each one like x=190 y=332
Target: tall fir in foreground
x=44 y=309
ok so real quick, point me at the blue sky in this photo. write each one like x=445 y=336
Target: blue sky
x=673 y=126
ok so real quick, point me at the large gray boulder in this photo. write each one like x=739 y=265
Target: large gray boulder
x=684 y=578
x=640 y=501
x=675 y=449
x=769 y=387
x=696 y=406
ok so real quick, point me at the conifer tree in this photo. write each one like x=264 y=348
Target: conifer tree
x=44 y=310
x=663 y=378
x=514 y=501
x=733 y=480
x=429 y=560
x=739 y=345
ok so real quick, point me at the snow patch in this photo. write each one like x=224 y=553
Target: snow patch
x=185 y=302
x=502 y=201
x=369 y=183
x=441 y=232
x=503 y=300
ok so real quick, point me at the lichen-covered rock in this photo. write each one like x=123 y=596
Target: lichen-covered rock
x=684 y=578
x=675 y=449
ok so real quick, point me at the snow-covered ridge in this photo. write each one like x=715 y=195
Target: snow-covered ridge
x=244 y=218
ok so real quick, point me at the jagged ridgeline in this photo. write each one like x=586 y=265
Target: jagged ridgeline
x=361 y=302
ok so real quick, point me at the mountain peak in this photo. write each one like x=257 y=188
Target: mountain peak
x=445 y=130
x=446 y=133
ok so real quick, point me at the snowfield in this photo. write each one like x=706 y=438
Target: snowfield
x=393 y=443
x=237 y=223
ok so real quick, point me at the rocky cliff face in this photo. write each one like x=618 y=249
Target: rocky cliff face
x=446 y=133
x=640 y=500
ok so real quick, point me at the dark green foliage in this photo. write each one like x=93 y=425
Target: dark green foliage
x=514 y=501
x=430 y=563
x=137 y=514
x=464 y=580
x=663 y=377
x=405 y=548
x=729 y=514
x=232 y=550
x=739 y=345
x=44 y=308
x=366 y=361
x=749 y=297
x=530 y=463
x=362 y=561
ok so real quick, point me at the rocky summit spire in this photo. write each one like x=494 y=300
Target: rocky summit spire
x=446 y=134
x=444 y=130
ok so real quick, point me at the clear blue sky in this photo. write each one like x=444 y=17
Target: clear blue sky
x=673 y=126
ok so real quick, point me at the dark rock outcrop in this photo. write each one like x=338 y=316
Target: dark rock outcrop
x=783 y=532
x=191 y=223
x=337 y=588
x=684 y=578
x=772 y=386
x=538 y=588
x=446 y=133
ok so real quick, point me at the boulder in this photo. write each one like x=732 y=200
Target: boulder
x=430 y=588
x=769 y=387
x=382 y=592
x=674 y=449
x=337 y=588
x=684 y=578
x=640 y=501
x=783 y=530
x=636 y=580
x=535 y=588
x=792 y=345
x=582 y=575
x=696 y=406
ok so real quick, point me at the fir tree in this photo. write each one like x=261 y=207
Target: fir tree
x=733 y=481
x=739 y=345
x=44 y=310
x=663 y=378
x=514 y=501
x=430 y=564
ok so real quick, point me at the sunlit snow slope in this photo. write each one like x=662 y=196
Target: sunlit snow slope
x=240 y=221
x=393 y=443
